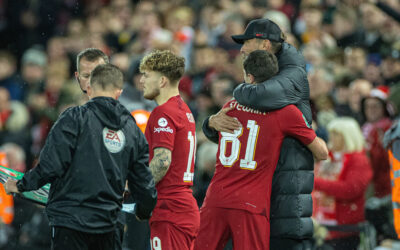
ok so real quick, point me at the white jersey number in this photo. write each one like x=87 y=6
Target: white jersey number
x=188 y=175
x=248 y=161
x=155 y=243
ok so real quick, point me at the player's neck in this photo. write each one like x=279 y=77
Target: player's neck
x=166 y=94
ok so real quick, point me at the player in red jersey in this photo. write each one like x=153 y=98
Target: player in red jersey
x=237 y=201
x=171 y=135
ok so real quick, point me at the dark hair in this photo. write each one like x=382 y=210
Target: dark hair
x=107 y=76
x=8 y=56
x=91 y=54
x=261 y=64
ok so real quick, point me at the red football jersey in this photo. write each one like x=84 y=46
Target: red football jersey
x=246 y=159
x=172 y=126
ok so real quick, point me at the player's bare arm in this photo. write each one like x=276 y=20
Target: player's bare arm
x=160 y=163
x=319 y=149
x=223 y=122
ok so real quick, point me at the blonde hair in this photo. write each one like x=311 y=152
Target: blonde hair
x=164 y=62
x=351 y=132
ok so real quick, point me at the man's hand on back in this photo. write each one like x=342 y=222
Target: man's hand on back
x=223 y=122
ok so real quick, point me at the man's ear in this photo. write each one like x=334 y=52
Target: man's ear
x=251 y=78
x=266 y=45
x=77 y=76
x=118 y=93
x=163 y=81
x=89 y=90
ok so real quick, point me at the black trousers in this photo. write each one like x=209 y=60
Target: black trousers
x=119 y=236
x=66 y=239
x=348 y=243
x=289 y=244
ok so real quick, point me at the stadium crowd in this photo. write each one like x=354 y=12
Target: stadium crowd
x=352 y=50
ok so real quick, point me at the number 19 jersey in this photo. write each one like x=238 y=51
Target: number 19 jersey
x=247 y=158
x=172 y=126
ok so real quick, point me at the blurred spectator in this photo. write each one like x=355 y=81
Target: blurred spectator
x=359 y=89
x=345 y=27
x=221 y=89
x=341 y=183
x=8 y=76
x=279 y=18
x=355 y=60
x=321 y=82
x=377 y=115
x=15 y=156
x=34 y=62
x=373 y=21
x=342 y=96
x=14 y=116
x=391 y=68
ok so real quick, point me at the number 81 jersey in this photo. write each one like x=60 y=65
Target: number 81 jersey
x=247 y=158
x=172 y=126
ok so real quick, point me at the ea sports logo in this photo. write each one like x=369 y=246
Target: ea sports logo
x=162 y=122
x=114 y=141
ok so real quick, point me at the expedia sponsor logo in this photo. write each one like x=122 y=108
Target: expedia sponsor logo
x=167 y=129
x=114 y=141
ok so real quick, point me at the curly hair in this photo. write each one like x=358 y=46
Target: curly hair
x=164 y=62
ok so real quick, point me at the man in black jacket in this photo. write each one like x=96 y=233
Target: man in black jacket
x=90 y=152
x=86 y=61
x=291 y=203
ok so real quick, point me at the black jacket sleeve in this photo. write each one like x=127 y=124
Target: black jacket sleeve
x=140 y=180
x=210 y=133
x=56 y=154
x=275 y=93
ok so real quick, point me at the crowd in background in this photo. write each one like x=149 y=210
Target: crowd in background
x=352 y=50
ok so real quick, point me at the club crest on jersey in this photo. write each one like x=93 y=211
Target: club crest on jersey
x=190 y=117
x=114 y=141
x=162 y=122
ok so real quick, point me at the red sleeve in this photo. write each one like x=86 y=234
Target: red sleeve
x=294 y=124
x=162 y=130
x=352 y=184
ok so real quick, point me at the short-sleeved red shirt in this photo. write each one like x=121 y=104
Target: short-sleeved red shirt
x=172 y=126
x=246 y=159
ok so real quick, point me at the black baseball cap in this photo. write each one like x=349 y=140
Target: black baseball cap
x=262 y=29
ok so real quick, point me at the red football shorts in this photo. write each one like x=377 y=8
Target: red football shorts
x=168 y=236
x=217 y=225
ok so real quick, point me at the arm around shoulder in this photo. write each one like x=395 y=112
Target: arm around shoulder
x=279 y=91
